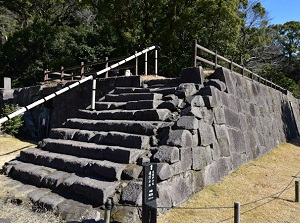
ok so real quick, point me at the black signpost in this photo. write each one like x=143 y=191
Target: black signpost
x=149 y=193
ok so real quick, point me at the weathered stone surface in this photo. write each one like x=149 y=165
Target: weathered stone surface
x=180 y=138
x=50 y=201
x=232 y=118
x=132 y=172
x=187 y=122
x=198 y=101
x=202 y=156
x=54 y=179
x=163 y=195
x=135 y=105
x=210 y=101
x=211 y=174
x=152 y=114
x=132 y=97
x=126 y=140
x=62 y=133
x=219 y=115
x=180 y=188
x=192 y=75
x=220 y=85
x=223 y=140
x=29 y=172
x=185 y=162
x=126 y=214
x=163 y=171
x=167 y=154
x=107 y=169
x=34 y=196
x=185 y=90
x=206 y=132
x=95 y=190
x=225 y=166
x=72 y=210
x=132 y=193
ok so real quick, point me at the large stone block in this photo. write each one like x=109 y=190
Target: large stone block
x=180 y=138
x=185 y=162
x=164 y=171
x=219 y=115
x=192 y=75
x=132 y=193
x=198 y=101
x=223 y=140
x=185 y=90
x=207 y=134
x=167 y=154
x=237 y=141
x=224 y=166
x=202 y=156
x=211 y=173
x=163 y=195
x=232 y=118
x=187 y=122
x=220 y=85
x=181 y=188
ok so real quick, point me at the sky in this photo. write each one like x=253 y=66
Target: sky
x=281 y=11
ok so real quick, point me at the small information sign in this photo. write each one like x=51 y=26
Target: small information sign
x=149 y=192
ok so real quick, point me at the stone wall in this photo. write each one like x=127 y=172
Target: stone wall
x=227 y=122
x=63 y=106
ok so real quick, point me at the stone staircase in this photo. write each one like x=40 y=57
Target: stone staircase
x=96 y=154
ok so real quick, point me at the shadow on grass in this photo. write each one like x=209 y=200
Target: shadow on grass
x=16 y=150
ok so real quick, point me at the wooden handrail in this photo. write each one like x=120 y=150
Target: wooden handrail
x=231 y=64
x=82 y=67
x=75 y=84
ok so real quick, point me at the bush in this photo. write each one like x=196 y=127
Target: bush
x=11 y=126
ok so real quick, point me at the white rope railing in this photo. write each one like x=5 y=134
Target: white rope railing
x=91 y=77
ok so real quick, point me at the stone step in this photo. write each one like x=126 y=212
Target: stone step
x=122 y=90
x=102 y=105
x=164 y=90
x=143 y=104
x=140 y=115
x=74 y=164
x=96 y=190
x=162 y=82
x=92 y=150
x=125 y=97
x=103 y=138
x=126 y=126
x=43 y=199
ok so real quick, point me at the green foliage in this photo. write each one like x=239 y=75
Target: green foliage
x=11 y=126
x=46 y=34
x=281 y=79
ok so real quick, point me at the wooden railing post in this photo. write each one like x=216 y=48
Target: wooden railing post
x=94 y=87
x=231 y=64
x=155 y=66
x=146 y=63
x=82 y=69
x=61 y=72
x=216 y=59
x=46 y=75
x=106 y=66
x=136 y=64
x=194 y=53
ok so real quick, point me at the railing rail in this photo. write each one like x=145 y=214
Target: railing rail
x=231 y=65
x=91 y=77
